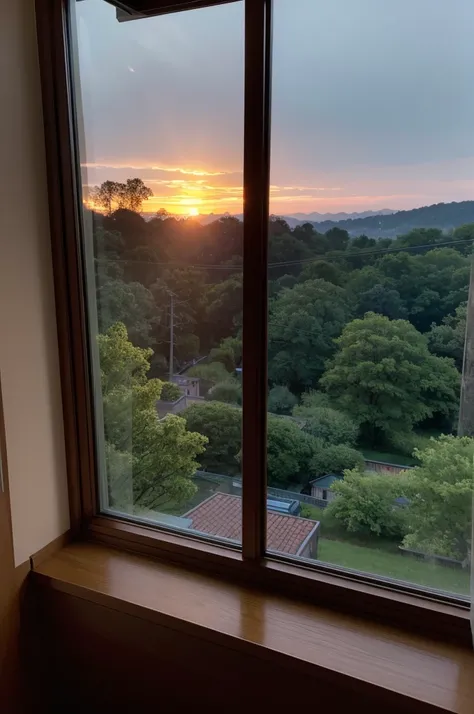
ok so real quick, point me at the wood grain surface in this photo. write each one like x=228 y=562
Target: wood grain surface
x=373 y=660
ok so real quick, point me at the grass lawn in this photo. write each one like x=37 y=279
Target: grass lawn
x=394 y=565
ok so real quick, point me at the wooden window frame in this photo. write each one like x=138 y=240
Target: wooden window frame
x=401 y=604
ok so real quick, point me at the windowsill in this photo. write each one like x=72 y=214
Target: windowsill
x=371 y=659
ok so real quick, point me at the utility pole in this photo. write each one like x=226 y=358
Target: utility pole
x=171 y=335
x=466 y=404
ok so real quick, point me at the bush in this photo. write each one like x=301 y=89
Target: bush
x=229 y=391
x=281 y=400
x=328 y=425
x=335 y=458
x=170 y=392
x=366 y=504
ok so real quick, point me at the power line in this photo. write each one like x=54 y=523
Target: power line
x=301 y=261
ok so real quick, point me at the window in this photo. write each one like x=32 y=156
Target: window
x=368 y=308
x=281 y=374
x=161 y=172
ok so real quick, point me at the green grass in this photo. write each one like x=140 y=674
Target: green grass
x=394 y=565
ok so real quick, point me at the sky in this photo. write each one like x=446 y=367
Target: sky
x=372 y=104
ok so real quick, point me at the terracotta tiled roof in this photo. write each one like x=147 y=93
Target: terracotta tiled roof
x=221 y=515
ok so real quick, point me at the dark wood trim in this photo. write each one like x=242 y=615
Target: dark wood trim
x=255 y=282
x=51 y=18
x=375 y=601
x=371 y=659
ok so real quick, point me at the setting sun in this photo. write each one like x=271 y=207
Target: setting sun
x=193 y=211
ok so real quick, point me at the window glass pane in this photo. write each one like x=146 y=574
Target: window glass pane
x=370 y=247
x=160 y=128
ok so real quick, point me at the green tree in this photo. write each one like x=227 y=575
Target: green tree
x=334 y=459
x=366 y=504
x=221 y=424
x=281 y=400
x=149 y=461
x=289 y=451
x=338 y=238
x=303 y=323
x=384 y=376
x=170 y=392
x=322 y=269
x=447 y=339
x=439 y=516
x=383 y=300
x=211 y=372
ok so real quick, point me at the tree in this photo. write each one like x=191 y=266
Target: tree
x=289 y=451
x=447 y=339
x=112 y=194
x=211 y=372
x=170 y=392
x=229 y=353
x=129 y=303
x=338 y=238
x=384 y=376
x=367 y=504
x=383 y=300
x=221 y=424
x=328 y=425
x=228 y=391
x=224 y=308
x=322 y=269
x=439 y=515
x=149 y=461
x=334 y=459
x=281 y=400
x=303 y=323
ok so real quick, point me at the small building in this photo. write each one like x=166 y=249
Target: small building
x=221 y=515
x=321 y=487
x=188 y=385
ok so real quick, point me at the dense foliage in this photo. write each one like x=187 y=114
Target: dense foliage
x=149 y=461
x=366 y=335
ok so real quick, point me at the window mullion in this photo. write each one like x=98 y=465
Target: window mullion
x=256 y=209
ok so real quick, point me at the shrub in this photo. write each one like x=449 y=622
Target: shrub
x=281 y=400
x=366 y=504
x=212 y=372
x=335 y=458
x=229 y=391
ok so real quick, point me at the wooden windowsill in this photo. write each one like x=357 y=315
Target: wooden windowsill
x=404 y=670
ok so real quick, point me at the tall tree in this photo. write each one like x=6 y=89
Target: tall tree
x=111 y=195
x=303 y=323
x=385 y=377
x=149 y=461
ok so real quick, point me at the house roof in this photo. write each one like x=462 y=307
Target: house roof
x=221 y=515
x=326 y=481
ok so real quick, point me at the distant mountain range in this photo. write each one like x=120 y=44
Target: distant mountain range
x=385 y=223
x=440 y=215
